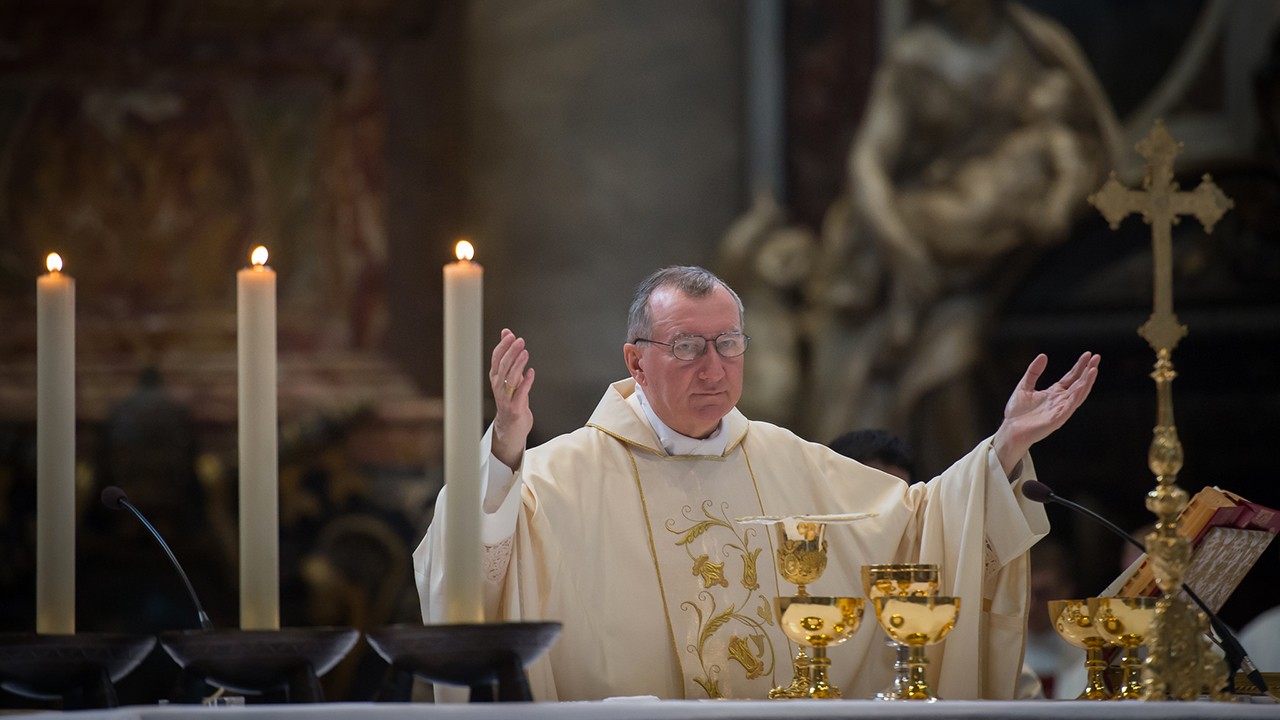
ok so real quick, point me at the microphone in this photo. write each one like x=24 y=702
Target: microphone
x=1036 y=491
x=115 y=499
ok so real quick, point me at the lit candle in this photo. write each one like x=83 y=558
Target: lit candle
x=55 y=450
x=259 y=454
x=463 y=373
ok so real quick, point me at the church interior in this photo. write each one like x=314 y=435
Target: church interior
x=905 y=238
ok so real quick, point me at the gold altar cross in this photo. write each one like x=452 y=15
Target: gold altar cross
x=1161 y=204
x=1179 y=664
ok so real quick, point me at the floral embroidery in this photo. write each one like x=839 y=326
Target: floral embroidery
x=740 y=651
x=711 y=620
x=712 y=573
x=763 y=611
x=712 y=687
x=749 y=570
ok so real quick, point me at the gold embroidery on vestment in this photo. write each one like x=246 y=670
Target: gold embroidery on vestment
x=711 y=621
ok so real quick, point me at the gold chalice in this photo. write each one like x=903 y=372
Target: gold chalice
x=917 y=621
x=1073 y=619
x=802 y=557
x=902 y=580
x=818 y=623
x=1126 y=622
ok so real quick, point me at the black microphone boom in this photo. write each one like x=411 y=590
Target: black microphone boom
x=1036 y=491
x=115 y=499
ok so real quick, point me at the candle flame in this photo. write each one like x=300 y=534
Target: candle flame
x=259 y=256
x=465 y=250
x=53 y=262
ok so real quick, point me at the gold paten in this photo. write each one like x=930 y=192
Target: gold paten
x=1073 y=619
x=1126 y=622
x=818 y=623
x=1180 y=664
x=902 y=580
x=917 y=621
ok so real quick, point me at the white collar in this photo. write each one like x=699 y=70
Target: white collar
x=676 y=444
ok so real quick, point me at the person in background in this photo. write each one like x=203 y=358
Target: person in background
x=879 y=449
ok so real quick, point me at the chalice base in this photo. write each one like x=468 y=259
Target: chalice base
x=1132 y=687
x=821 y=690
x=800 y=682
x=1096 y=687
x=917 y=688
x=902 y=674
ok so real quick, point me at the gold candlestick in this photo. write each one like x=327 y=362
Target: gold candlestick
x=1180 y=664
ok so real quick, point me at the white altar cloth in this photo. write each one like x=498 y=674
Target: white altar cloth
x=708 y=710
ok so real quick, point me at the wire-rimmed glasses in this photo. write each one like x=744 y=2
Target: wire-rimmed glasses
x=692 y=347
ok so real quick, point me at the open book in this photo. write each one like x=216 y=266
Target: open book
x=1228 y=534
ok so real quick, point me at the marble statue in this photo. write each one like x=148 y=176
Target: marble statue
x=984 y=131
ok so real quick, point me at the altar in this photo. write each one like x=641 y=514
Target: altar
x=649 y=709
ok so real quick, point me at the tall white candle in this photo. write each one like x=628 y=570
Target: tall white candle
x=259 y=453
x=55 y=451
x=463 y=380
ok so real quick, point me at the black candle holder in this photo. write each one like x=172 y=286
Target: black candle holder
x=258 y=661
x=478 y=655
x=79 y=669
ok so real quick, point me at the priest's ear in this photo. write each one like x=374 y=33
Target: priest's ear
x=631 y=354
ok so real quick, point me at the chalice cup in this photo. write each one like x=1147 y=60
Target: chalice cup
x=1073 y=619
x=802 y=552
x=899 y=580
x=1126 y=622
x=818 y=623
x=802 y=557
x=917 y=621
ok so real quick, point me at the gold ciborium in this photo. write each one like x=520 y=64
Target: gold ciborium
x=1126 y=622
x=1073 y=619
x=901 y=580
x=917 y=621
x=819 y=623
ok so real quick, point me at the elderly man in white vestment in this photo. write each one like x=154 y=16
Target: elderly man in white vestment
x=624 y=529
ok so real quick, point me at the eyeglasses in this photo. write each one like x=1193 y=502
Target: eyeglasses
x=692 y=347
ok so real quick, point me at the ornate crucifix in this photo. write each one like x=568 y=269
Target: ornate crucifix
x=1180 y=665
x=1162 y=204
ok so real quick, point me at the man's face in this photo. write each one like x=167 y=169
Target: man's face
x=690 y=396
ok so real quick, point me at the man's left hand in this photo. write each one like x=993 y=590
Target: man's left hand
x=1032 y=415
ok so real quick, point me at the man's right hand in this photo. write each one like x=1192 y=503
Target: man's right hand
x=510 y=382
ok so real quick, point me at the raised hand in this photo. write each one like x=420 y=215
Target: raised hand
x=1032 y=415
x=510 y=382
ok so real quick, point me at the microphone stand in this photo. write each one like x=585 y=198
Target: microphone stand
x=205 y=623
x=1236 y=656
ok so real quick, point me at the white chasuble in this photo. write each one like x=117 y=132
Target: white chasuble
x=662 y=593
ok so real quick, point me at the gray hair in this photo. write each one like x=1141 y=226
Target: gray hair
x=693 y=281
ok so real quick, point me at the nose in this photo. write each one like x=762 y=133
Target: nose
x=711 y=366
